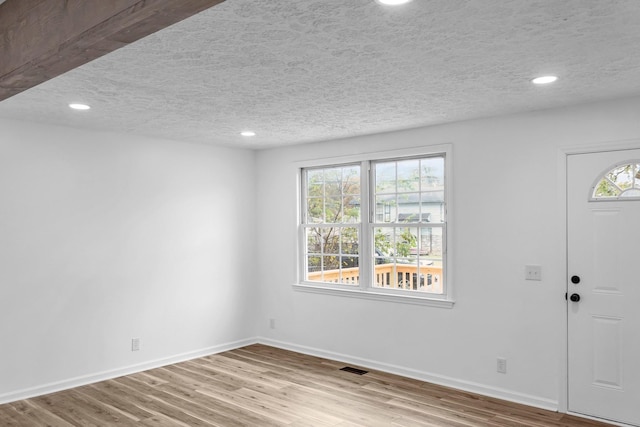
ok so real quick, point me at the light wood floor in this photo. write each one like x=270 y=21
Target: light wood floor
x=263 y=386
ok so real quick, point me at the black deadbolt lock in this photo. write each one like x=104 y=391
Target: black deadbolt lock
x=575 y=279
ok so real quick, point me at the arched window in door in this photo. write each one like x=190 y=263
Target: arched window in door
x=622 y=181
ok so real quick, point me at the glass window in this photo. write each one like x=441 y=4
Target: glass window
x=380 y=231
x=331 y=224
x=408 y=225
x=620 y=182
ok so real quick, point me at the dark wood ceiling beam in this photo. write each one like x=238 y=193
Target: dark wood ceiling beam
x=41 y=39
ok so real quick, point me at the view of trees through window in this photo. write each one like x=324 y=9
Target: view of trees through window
x=333 y=211
x=405 y=232
x=408 y=225
x=621 y=181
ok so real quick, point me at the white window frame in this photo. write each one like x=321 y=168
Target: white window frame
x=365 y=288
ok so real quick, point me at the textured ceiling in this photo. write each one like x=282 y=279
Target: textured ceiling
x=296 y=71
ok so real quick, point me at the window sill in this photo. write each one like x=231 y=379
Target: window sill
x=376 y=296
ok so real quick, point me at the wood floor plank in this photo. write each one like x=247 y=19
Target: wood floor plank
x=205 y=378
x=63 y=405
x=237 y=376
x=158 y=402
x=426 y=402
x=160 y=420
x=28 y=412
x=260 y=408
x=100 y=410
x=306 y=413
x=258 y=385
x=107 y=393
x=213 y=406
x=338 y=405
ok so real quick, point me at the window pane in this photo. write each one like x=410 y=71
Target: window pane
x=351 y=180
x=333 y=195
x=631 y=192
x=331 y=267
x=332 y=254
x=605 y=189
x=350 y=273
x=407 y=274
x=315 y=182
x=384 y=242
x=395 y=244
x=333 y=189
x=430 y=243
x=330 y=241
x=406 y=242
x=432 y=212
x=409 y=207
x=431 y=259
x=408 y=175
x=332 y=175
x=396 y=263
x=432 y=174
x=351 y=206
x=408 y=258
x=333 y=210
x=419 y=190
x=385 y=208
x=432 y=198
x=349 y=241
x=385 y=177
x=621 y=176
x=314 y=241
x=314 y=268
x=315 y=210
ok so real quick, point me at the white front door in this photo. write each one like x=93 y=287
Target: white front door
x=604 y=273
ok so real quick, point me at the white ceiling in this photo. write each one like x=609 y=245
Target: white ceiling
x=296 y=71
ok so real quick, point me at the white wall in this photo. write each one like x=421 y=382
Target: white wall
x=508 y=213
x=105 y=237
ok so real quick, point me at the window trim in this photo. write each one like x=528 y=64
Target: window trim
x=365 y=289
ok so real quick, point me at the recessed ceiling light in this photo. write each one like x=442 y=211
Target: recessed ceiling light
x=543 y=80
x=393 y=2
x=79 y=106
x=248 y=133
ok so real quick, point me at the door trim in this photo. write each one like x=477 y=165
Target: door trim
x=563 y=154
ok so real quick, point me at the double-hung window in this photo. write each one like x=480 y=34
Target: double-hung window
x=332 y=224
x=377 y=226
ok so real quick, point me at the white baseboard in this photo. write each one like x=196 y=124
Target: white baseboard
x=367 y=363
x=512 y=396
x=126 y=370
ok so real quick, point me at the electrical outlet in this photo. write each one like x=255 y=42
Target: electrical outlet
x=272 y=323
x=501 y=365
x=532 y=272
x=135 y=344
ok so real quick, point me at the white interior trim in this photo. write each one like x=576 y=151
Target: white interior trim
x=377 y=296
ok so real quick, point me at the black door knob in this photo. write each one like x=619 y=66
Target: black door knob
x=575 y=279
x=574 y=297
